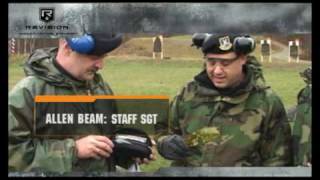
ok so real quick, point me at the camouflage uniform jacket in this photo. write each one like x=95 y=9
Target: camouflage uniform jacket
x=29 y=153
x=251 y=121
x=302 y=139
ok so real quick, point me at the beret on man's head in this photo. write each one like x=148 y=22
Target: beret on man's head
x=223 y=43
x=219 y=44
x=95 y=43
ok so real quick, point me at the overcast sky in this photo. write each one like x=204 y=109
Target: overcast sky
x=186 y=18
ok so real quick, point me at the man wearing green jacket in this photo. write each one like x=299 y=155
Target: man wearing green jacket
x=70 y=69
x=302 y=134
x=227 y=115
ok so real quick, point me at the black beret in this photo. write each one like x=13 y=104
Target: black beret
x=105 y=43
x=218 y=44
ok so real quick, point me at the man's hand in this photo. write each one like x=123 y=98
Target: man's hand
x=152 y=156
x=173 y=147
x=94 y=146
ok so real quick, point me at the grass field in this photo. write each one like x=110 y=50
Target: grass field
x=138 y=74
x=147 y=77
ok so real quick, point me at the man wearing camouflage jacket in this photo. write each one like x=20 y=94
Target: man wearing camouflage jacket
x=302 y=139
x=227 y=115
x=70 y=69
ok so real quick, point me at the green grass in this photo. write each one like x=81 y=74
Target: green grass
x=141 y=77
x=147 y=77
x=144 y=76
x=285 y=80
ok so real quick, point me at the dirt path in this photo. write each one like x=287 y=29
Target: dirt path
x=283 y=53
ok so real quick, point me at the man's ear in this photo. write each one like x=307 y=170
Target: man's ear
x=63 y=44
x=243 y=59
x=204 y=66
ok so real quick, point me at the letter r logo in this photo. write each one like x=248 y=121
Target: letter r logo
x=46 y=14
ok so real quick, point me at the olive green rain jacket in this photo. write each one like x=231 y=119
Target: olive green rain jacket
x=29 y=153
x=249 y=123
x=302 y=128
